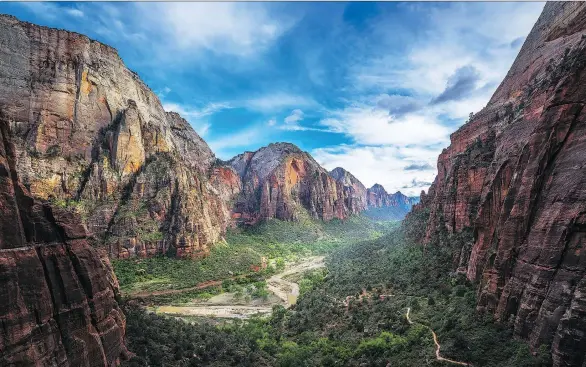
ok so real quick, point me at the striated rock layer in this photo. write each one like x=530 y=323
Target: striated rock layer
x=90 y=134
x=515 y=174
x=58 y=295
x=354 y=191
x=281 y=181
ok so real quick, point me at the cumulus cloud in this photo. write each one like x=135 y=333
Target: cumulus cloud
x=295 y=116
x=370 y=125
x=460 y=85
x=225 y=27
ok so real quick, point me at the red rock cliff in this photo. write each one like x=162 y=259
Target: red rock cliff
x=91 y=135
x=354 y=191
x=58 y=296
x=516 y=175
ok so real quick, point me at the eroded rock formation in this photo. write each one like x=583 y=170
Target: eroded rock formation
x=377 y=197
x=281 y=181
x=515 y=174
x=90 y=135
x=354 y=190
x=58 y=294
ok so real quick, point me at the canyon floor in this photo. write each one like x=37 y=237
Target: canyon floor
x=227 y=305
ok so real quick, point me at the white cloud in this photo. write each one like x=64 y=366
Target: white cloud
x=278 y=101
x=384 y=165
x=374 y=126
x=232 y=28
x=75 y=12
x=272 y=122
x=225 y=146
x=196 y=116
x=193 y=112
x=295 y=116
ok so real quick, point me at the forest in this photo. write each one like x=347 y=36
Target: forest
x=353 y=314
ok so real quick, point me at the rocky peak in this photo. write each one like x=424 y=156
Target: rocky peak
x=348 y=179
x=354 y=190
x=89 y=133
x=280 y=181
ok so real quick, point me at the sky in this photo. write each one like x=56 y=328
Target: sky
x=376 y=88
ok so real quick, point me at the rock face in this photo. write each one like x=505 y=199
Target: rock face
x=281 y=181
x=354 y=190
x=58 y=296
x=516 y=175
x=377 y=197
x=90 y=135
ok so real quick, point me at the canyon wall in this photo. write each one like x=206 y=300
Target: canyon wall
x=90 y=134
x=515 y=175
x=58 y=294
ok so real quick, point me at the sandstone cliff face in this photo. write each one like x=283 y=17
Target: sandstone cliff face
x=89 y=134
x=515 y=174
x=58 y=296
x=354 y=190
x=280 y=181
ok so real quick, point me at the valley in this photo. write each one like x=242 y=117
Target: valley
x=125 y=240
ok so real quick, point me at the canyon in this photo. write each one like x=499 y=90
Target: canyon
x=92 y=167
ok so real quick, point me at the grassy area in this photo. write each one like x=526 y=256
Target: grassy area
x=277 y=240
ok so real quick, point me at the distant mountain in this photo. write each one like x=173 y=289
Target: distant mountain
x=382 y=205
x=376 y=201
x=281 y=181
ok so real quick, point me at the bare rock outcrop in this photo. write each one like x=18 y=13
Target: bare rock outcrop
x=515 y=174
x=354 y=191
x=89 y=134
x=58 y=294
x=281 y=181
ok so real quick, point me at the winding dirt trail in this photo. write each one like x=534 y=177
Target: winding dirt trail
x=221 y=306
x=437 y=344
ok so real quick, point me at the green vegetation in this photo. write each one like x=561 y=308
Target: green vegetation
x=243 y=251
x=353 y=314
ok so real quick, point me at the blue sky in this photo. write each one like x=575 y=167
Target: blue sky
x=376 y=88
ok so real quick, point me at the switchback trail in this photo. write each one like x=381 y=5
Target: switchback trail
x=437 y=344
